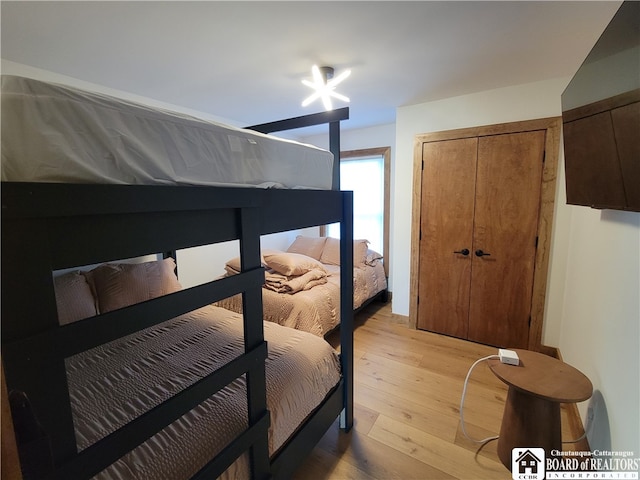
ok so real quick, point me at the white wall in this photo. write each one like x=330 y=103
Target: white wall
x=593 y=306
x=12 y=68
x=203 y=264
x=593 y=314
x=600 y=321
x=356 y=139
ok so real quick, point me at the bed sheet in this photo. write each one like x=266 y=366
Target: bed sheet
x=114 y=383
x=316 y=310
x=75 y=136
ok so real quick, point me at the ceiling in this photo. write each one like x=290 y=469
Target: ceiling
x=244 y=61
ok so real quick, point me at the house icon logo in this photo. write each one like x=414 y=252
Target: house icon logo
x=527 y=464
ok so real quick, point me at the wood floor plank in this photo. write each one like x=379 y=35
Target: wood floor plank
x=475 y=444
x=393 y=349
x=364 y=417
x=426 y=388
x=323 y=465
x=407 y=392
x=433 y=451
x=425 y=418
x=375 y=458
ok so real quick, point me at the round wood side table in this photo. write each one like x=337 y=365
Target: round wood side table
x=537 y=387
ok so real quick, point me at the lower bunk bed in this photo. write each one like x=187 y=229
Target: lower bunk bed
x=171 y=386
x=302 y=284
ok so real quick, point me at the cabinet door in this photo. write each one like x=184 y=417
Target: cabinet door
x=446 y=224
x=591 y=162
x=509 y=175
x=626 y=125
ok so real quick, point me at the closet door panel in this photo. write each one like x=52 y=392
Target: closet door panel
x=446 y=223
x=504 y=244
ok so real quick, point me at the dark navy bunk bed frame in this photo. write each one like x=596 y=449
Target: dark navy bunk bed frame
x=48 y=227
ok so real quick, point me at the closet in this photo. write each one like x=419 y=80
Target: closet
x=481 y=206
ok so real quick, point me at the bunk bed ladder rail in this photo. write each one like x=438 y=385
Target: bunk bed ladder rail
x=34 y=346
x=346 y=309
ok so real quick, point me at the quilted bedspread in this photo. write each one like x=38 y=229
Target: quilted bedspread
x=112 y=384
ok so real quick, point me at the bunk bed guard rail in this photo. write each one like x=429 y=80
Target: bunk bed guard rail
x=48 y=227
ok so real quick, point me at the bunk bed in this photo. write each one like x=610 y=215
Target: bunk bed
x=302 y=284
x=51 y=227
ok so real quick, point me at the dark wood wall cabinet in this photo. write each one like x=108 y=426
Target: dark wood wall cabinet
x=602 y=153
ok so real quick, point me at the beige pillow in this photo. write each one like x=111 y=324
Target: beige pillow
x=232 y=267
x=118 y=285
x=372 y=257
x=331 y=252
x=290 y=264
x=309 y=246
x=73 y=298
x=360 y=248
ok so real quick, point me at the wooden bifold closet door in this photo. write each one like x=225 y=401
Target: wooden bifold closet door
x=478 y=235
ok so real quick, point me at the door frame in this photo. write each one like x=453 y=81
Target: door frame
x=552 y=125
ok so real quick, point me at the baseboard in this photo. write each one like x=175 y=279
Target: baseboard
x=576 y=427
x=400 y=319
x=550 y=351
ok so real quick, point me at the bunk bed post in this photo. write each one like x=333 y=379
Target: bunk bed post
x=334 y=147
x=346 y=308
x=254 y=337
x=29 y=308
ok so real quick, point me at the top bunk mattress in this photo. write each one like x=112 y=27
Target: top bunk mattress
x=55 y=133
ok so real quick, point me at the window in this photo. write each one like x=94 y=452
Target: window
x=365 y=176
x=366 y=172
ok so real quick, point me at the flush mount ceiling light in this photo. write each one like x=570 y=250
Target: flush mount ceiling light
x=324 y=84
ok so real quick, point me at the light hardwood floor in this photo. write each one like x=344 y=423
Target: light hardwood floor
x=407 y=390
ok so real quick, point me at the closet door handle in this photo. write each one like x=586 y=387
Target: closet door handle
x=480 y=253
x=464 y=251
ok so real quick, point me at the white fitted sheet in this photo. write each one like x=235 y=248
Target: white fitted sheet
x=54 y=133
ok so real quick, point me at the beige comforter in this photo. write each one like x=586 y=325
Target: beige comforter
x=114 y=383
x=280 y=283
x=316 y=310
